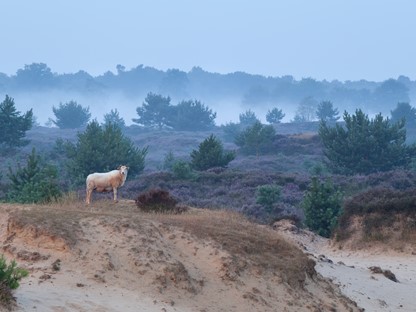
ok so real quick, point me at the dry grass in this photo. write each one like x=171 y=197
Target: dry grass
x=247 y=242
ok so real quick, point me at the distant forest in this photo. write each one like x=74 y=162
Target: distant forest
x=243 y=89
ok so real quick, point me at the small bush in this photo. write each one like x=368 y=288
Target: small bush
x=35 y=183
x=182 y=170
x=382 y=200
x=168 y=161
x=267 y=196
x=322 y=206
x=10 y=274
x=256 y=139
x=211 y=154
x=6 y=297
x=158 y=200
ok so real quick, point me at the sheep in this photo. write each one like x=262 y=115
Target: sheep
x=105 y=182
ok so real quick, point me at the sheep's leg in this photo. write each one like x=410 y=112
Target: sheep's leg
x=88 y=198
x=115 y=194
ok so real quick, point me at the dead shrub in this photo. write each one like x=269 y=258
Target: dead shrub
x=158 y=200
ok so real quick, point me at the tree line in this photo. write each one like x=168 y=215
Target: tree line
x=252 y=90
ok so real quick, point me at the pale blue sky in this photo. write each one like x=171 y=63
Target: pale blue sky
x=345 y=40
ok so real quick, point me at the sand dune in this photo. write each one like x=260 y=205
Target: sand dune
x=106 y=259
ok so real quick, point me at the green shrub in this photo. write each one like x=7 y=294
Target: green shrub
x=182 y=170
x=168 y=161
x=10 y=274
x=211 y=154
x=268 y=195
x=256 y=139
x=322 y=206
x=35 y=183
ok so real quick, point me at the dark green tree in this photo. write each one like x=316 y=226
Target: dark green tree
x=256 y=139
x=231 y=131
x=248 y=118
x=211 y=154
x=100 y=149
x=71 y=115
x=114 y=117
x=364 y=146
x=268 y=195
x=322 y=207
x=34 y=183
x=13 y=125
x=182 y=170
x=192 y=115
x=274 y=116
x=406 y=111
x=155 y=111
x=327 y=112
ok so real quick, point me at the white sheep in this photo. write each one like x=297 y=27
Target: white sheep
x=106 y=181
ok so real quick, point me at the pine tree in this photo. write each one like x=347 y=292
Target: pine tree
x=256 y=139
x=71 y=115
x=13 y=125
x=102 y=148
x=210 y=154
x=274 y=116
x=322 y=206
x=365 y=146
x=34 y=183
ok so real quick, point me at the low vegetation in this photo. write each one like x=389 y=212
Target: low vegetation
x=10 y=276
x=158 y=200
x=385 y=214
x=322 y=206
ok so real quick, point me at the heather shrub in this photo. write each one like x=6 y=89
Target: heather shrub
x=379 y=209
x=229 y=189
x=382 y=200
x=291 y=194
x=322 y=206
x=7 y=300
x=158 y=200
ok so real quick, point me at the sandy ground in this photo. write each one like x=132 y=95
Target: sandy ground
x=350 y=270
x=122 y=265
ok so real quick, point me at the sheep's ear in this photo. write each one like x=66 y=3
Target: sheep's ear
x=118 y=168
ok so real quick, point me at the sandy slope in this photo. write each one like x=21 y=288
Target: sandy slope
x=350 y=270
x=119 y=263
